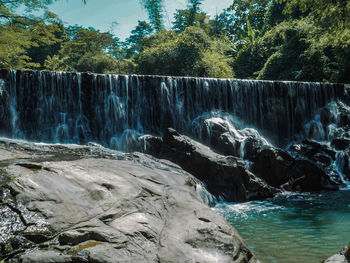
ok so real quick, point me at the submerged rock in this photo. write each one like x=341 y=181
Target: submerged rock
x=226 y=177
x=102 y=206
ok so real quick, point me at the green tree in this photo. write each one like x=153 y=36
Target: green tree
x=46 y=37
x=194 y=8
x=8 y=8
x=184 y=19
x=97 y=63
x=56 y=63
x=155 y=12
x=26 y=39
x=190 y=53
x=83 y=42
x=287 y=52
x=332 y=19
x=223 y=24
x=125 y=66
x=243 y=11
x=13 y=45
x=135 y=40
x=192 y=16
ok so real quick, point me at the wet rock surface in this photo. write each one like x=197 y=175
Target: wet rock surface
x=315 y=166
x=342 y=257
x=273 y=165
x=226 y=177
x=332 y=124
x=277 y=166
x=89 y=204
x=224 y=138
x=332 y=160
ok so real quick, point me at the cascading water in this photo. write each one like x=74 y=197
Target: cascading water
x=331 y=127
x=71 y=107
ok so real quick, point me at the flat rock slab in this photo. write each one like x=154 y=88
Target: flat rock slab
x=132 y=209
x=6 y=155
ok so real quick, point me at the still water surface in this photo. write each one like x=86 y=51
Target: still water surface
x=293 y=228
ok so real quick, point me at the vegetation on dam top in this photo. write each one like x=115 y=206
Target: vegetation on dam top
x=264 y=39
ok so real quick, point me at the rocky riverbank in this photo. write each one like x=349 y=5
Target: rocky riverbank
x=89 y=204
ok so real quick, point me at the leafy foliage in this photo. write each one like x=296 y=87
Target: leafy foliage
x=135 y=41
x=8 y=7
x=247 y=10
x=306 y=40
x=155 y=12
x=13 y=45
x=297 y=43
x=190 y=53
x=24 y=37
x=331 y=17
x=85 y=49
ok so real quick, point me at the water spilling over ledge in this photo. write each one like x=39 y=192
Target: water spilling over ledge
x=82 y=107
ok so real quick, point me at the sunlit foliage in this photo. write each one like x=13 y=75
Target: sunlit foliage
x=306 y=40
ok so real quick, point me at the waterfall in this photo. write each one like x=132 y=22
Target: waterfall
x=82 y=107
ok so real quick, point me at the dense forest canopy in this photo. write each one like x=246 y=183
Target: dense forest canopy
x=304 y=40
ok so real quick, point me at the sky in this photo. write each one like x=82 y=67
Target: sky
x=101 y=14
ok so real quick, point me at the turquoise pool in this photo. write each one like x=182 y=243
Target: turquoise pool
x=293 y=228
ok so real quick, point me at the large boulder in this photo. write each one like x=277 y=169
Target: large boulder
x=277 y=166
x=224 y=138
x=226 y=177
x=273 y=166
x=333 y=159
x=89 y=204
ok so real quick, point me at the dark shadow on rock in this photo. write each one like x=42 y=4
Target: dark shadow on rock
x=277 y=166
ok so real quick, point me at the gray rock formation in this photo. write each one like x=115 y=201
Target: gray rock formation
x=334 y=162
x=226 y=177
x=276 y=166
x=89 y=204
x=342 y=257
x=224 y=138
